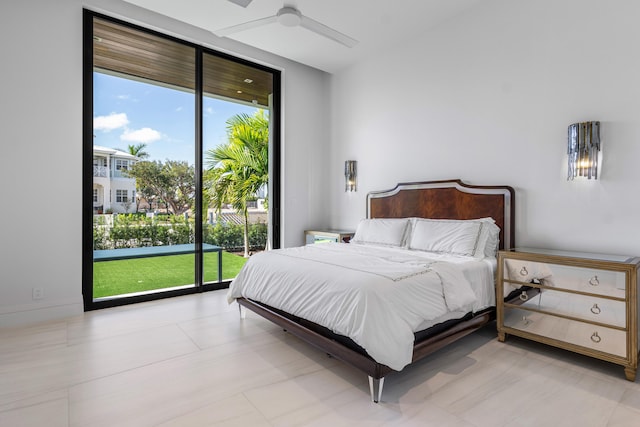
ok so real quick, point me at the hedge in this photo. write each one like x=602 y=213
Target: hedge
x=131 y=230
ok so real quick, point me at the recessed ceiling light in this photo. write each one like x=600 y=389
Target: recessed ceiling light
x=248 y=81
x=239 y=91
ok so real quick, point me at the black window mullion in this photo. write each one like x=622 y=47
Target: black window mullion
x=277 y=156
x=199 y=259
x=87 y=159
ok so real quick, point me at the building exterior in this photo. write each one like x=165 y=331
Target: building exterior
x=113 y=190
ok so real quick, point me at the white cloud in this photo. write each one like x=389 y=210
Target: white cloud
x=144 y=135
x=110 y=122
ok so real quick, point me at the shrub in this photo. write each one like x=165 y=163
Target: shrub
x=100 y=240
x=258 y=236
x=131 y=230
x=228 y=236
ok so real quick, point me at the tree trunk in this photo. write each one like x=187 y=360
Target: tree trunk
x=245 y=214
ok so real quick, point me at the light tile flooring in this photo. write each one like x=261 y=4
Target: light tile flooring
x=191 y=361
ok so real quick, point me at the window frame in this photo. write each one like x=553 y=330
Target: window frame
x=121 y=164
x=122 y=195
x=87 y=199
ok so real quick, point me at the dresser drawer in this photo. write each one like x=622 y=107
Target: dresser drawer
x=584 y=307
x=594 y=337
x=581 y=279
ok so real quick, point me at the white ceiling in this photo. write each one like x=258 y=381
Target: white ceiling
x=376 y=24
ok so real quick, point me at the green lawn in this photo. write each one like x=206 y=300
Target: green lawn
x=146 y=274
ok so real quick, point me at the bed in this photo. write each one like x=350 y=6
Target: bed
x=365 y=303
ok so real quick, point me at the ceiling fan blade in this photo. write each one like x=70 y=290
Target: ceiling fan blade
x=330 y=33
x=245 y=26
x=243 y=3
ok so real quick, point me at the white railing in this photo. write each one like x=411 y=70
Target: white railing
x=103 y=172
x=100 y=171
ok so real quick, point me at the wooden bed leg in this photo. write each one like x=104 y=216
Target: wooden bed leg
x=375 y=388
x=243 y=311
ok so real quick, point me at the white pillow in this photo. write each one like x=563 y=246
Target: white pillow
x=488 y=240
x=381 y=231
x=457 y=237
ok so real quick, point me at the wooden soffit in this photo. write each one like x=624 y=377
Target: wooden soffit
x=126 y=51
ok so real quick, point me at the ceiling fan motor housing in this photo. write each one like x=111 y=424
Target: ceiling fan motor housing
x=289 y=16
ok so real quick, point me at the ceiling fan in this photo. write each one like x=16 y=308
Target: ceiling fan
x=288 y=16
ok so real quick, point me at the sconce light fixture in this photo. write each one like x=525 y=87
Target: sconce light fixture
x=350 y=175
x=583 y=147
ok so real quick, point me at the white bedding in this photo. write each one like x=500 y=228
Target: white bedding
x=377 y=296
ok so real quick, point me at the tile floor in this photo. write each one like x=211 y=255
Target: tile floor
x=190 y=361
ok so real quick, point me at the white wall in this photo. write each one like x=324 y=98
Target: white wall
x=487 y=97
x=41 y=110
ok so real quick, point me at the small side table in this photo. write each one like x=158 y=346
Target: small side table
x=321 y=236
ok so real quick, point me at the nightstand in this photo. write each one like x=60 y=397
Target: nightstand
x=320 y=236
x=588 y=303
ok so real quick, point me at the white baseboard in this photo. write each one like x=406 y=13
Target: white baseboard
x=26 y=314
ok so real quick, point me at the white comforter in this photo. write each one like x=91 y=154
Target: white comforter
x=374 y=295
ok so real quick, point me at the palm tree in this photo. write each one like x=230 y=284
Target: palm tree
x=239 y=169
x=138 y=150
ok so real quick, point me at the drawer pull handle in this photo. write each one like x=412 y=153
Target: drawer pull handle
x=523 y=271
x=595 y=309
x=595 y=337
x=524 y=296
x=594 y=281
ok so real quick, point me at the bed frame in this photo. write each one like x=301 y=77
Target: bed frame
x=451 y=199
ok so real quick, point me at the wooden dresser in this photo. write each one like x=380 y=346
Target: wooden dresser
x=587 y=303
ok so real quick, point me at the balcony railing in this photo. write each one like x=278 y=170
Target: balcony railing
x=100 y=171
x=103 y=172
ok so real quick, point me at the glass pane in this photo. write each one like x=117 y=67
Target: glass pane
x=143 y=161
x=575 y=254
x=236 y=170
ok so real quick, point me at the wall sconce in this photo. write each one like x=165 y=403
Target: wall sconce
x=583 y=147
x=350 y=175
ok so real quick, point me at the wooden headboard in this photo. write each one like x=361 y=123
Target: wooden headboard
x=450 y=199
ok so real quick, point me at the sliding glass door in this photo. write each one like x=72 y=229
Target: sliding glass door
x=176 y=164
x=236 y=111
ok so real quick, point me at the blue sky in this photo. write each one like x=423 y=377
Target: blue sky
x=128 y=112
